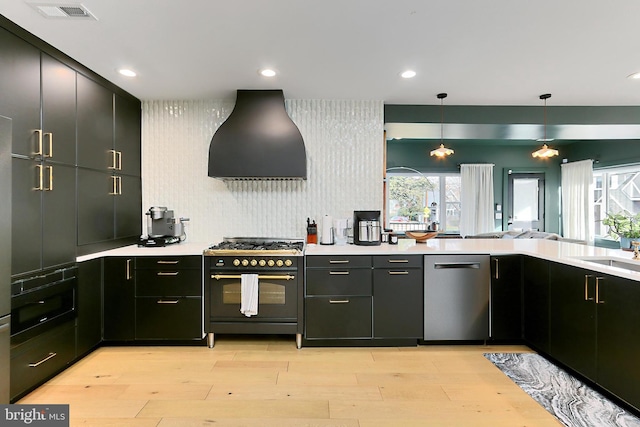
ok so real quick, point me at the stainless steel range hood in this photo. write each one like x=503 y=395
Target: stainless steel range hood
x=258 y=141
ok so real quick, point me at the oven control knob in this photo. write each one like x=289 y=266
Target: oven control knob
x=270 y=263
x=279 y=263
x=262 y=263
x=253 y=263
x=245 y=262
x=236 y=262
x=288 y=262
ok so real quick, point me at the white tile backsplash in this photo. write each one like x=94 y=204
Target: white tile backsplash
x=344 y=143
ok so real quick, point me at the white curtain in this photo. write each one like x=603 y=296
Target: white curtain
x=577 y=200
x=476 y=199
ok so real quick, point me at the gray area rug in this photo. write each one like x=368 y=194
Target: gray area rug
x=569 y=400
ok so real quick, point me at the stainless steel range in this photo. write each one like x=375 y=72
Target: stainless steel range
x=268 y=268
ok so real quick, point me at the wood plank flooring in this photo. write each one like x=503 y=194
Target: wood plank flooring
x=265 y=381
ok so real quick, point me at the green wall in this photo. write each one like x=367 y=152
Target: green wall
x=513 y=155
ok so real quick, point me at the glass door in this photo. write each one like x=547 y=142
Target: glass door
x=526 y=201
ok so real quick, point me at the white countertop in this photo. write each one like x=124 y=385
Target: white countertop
x=551 y=250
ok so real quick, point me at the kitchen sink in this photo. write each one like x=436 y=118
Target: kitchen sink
x=633 y=265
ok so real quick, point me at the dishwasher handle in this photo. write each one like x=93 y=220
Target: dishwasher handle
x=442 y=265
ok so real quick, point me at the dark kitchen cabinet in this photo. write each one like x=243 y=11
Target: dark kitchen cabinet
x=169 y=298
x=398 y=289
x=536 y=302
x=618 y=333
x=119 y=299
x=109 y=206
x=128 y=133
x=43 y=205
x=20 y=90
x=95 y=126
x=338 y=297
x=573 y=317
x=89 y=307
x=506 y=298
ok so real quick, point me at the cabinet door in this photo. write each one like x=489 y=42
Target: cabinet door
x=59 y=219
x=26 y=233
x=338 y=317
x=398 y=303
x=177 y=318
x=536 y=302
x=128 y=134
x=573 y=318
x=128 y=214
x=58 y=111
x=89 y=305
x=119 y=299
x=619 y=338
x=20 y=90
x=339 y=281
x=506 y=297
x=96 y=207
x=95 y=125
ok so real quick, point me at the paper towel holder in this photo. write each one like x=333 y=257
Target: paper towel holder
x=328 y=232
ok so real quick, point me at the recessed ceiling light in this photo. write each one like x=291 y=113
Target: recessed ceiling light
x=127 y=72
x=408 y=74
x=267 y=72
x=634 y=76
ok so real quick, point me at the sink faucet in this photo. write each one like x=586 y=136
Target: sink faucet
x=636 y=252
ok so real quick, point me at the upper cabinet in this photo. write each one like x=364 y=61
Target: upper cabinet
x=95 y=126
x=128 y=133
x=20 y=91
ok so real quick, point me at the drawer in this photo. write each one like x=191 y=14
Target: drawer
x=397 y=261
x=169 y=262
x=330 y=318
x=40 y=358
x=169 y=283
x=339 y=281
x=169 y=318
x=344 y=261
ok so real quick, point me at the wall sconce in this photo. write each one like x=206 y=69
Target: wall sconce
x=545 y=151
x=441 y=151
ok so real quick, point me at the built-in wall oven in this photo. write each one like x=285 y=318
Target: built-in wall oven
x=276 y=265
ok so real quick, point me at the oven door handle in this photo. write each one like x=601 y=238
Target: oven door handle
x=260 y=276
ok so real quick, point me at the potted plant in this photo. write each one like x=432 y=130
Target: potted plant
x=624 y=226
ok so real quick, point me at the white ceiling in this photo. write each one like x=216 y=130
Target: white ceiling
x=491 y=52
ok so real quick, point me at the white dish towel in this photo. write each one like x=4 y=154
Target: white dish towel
x=249 y=294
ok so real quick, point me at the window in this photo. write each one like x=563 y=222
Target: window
x=615 y=190
x=417 y=201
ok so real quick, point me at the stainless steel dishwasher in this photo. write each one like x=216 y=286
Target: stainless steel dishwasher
x=456 y=297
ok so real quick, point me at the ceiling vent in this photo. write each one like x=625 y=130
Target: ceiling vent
x=63 y=11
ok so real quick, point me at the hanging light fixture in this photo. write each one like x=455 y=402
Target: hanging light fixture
x=545 y=151
x=442 y=150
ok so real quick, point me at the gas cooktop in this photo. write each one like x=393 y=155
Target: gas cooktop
x=256 y=245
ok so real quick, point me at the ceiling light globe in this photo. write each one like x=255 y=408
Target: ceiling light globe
x=408 y=74
x=267 y=72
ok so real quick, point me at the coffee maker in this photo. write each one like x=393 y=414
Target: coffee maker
x=163 y=228
x=366 y=228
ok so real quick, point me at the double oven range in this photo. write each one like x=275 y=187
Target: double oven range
x=278 y=265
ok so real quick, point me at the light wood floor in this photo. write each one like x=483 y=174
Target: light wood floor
x=266 y=381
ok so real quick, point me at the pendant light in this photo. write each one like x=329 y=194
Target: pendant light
x=545 y=151
x=441 y=151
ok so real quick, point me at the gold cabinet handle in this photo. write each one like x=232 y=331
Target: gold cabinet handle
x=114 y=162
x=168 y=273
x=339 y=273
x=586 y=287
x=167 y=262
x=163 y=301
x=338 y=261
x=39 y=149
x=114 y=186
x=40 y=362
x=50 y=186
x=338 y=301
x=40 y=178
x=497 y=276
x=398 y=273
x=119 y=180
x=50 y=153
x=396 y=261
x=260 y=276
x=598 y=300
x=129 y=269
x=119 y=157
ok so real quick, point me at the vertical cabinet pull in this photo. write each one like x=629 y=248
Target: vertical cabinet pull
x=50 y=137
x=598 y=300
x=116 y=185
x=119 y=180
x=114 y=161
x=40 y=178
x=128 y=273
x=586 y=287
x=497 y=276
x=38 y=151
x=50 y=186
x=119 y=164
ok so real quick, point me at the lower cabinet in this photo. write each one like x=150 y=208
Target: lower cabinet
x=118 y=304
x=39 y=358
x=168 y=299
x=89 y=306
x=535 y=287
x=506 y=298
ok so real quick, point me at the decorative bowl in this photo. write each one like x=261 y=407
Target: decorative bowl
x=421 y=236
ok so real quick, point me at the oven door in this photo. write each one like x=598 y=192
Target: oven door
x=277 y=296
